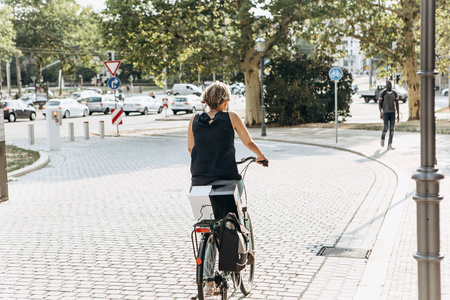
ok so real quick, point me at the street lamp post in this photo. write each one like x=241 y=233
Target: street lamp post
x=261 y=48
x=428 y=176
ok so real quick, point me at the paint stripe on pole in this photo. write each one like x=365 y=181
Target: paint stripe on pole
x=116 y=115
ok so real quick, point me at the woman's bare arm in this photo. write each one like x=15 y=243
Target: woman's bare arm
x=190 y=140
x=245 y=137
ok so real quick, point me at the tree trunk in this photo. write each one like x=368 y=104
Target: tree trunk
x=39 y=79
x=19 y=79
x=252 y=93
x=61 y=78
x=413 y=83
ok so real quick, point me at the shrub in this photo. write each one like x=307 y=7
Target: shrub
x=298 y=90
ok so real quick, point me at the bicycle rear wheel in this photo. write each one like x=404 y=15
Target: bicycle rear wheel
x=247 y=274
x=208 y=279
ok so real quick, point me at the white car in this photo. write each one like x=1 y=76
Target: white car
x=444 y=92
x=83 y=95
x=188 y=103
x=103 y=103
x=141 y=105
x=68 y=107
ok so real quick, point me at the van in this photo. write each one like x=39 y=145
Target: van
x=184 y=89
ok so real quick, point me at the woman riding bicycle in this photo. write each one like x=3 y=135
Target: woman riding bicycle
x=211 y=145
x=211 y=140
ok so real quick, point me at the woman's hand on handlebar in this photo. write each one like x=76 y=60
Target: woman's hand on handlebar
x=262 y=160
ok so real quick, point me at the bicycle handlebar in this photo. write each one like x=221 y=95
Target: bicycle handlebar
x=253 y=159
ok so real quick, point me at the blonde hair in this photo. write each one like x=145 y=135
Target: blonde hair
x=216 y=94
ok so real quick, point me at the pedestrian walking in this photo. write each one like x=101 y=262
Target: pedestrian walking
x=388 y=106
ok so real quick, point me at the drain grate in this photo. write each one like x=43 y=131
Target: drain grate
x=344 y=252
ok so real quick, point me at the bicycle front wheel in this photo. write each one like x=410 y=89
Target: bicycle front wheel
x=209 y=287
x=247 y=274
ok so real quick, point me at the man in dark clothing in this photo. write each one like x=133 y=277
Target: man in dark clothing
x=388 y=105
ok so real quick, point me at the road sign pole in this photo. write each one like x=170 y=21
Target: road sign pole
x=336 y=109
x=335 y=75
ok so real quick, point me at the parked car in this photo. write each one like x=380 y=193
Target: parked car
x=142 y=105
x=33 y=100
x=444 y=92
x=237 y=88
x=32 y=90
x=402 y=93
x=69 y=107
x=17 y=109
x=184 y=89
x=188 y=103
x=103 y=104
x=83 y=95
x=96 y=90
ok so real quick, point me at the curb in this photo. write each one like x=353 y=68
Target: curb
x=40 y=163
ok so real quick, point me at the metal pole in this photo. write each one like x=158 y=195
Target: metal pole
x=31 y=134
x=336 y=109
x=261 y=91
x=427 y=175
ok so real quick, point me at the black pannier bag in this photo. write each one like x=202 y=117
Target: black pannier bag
x=232 y=240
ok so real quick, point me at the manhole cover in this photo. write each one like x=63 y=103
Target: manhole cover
x=344 y=252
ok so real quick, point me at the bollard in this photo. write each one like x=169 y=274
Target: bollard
x=31 y=134
x=86 y=130
x=102 y=129
x=71 y=132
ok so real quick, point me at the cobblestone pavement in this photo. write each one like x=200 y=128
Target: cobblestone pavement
x=110 y=219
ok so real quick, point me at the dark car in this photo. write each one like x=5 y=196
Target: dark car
x=17 y=109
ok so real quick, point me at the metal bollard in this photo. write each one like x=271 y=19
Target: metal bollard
x=71 y=132
x=86 y=130
x=102 y=129
x=31 y=134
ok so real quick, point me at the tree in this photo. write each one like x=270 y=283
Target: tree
x=206 y=35
x=388 y=29
x=299 y=90
x=55 y=30
x=7 y=34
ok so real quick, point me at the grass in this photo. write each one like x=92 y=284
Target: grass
x=18 y=158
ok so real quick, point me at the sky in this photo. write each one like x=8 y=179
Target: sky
x=97 y=5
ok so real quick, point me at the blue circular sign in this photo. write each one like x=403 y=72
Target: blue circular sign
x=114 y=83
x=335 y=73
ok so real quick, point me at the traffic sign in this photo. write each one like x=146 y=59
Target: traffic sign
x=267 y=71
x=116 y=116
x=335 y=73
x=112 y=66
x=114 y=83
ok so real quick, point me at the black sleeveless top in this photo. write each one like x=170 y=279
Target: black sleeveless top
x=213 y=156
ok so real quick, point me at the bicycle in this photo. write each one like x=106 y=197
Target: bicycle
x=207 y=255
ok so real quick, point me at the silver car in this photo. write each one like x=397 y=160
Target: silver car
x=103 y=104
x=188 y=103
x=142 y=105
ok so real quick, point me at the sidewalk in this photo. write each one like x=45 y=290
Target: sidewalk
x=391 y=271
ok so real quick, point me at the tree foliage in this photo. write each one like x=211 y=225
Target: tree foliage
x=204 y=36
x=299 y=90
x=7 y=34
x=52 y=30
x=386 y=29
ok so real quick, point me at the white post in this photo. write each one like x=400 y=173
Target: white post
x=31 y=134
x=86 y=130
x=71 y=132
x=102 y=129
